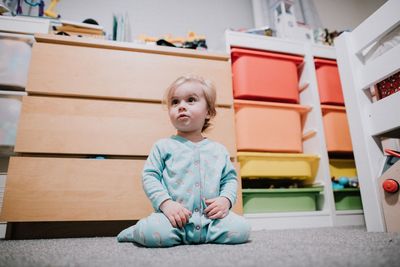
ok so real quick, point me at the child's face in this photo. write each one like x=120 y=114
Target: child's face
x=188 y=109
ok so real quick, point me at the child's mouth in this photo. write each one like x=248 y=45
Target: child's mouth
x=183 y=116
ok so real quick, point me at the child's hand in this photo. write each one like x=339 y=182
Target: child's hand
x=217 y=208
x=176 y=213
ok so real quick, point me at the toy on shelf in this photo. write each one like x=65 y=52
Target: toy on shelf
x=192 y=41
x=344 y=182
x=39 y=4
x=324 y=36
x=287 y=25
x=265 y=31
x=50 y=11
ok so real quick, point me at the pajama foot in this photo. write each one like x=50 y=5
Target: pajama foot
x=126 y=235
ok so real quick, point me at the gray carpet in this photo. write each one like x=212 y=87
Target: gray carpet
x=341 y=246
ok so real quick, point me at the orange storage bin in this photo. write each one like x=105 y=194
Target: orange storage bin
x=260 y=75
x=268 y=126
x=330 y=89
x=337 y=133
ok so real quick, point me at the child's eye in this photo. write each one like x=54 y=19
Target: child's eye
x=174 y=102
x=191 y=99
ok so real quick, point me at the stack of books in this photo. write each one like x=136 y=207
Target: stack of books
x=79 y=29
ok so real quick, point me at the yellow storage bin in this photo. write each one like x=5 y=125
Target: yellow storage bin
x=278 y=165
x=342 y=167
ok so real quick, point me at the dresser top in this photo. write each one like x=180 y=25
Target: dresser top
x=107 y=44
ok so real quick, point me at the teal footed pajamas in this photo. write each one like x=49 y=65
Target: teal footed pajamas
x=188 y=173
x=157 y=231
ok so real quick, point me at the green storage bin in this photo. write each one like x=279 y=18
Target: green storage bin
x=347 y=199
x=280 y=200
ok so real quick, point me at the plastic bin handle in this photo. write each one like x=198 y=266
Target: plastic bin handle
x=303 y=87
x=252 y=103
x=307 y=135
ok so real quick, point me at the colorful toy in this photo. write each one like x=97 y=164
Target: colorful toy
x=344 y=182
x=192 y=41
x=50 y=11
x=39 y=4
x=336 y=186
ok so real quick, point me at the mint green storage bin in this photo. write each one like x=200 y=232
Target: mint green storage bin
x=348 y=199
x=280 y=200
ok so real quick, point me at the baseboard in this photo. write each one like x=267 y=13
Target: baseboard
x=39 y=230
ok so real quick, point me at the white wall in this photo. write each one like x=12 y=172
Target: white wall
x=159 y=17
x=206 y=17
x=345 y=14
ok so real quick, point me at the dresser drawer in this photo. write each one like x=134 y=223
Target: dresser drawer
x=122 y=74
x=77 y=189
x=102 y=127
x=72 y=189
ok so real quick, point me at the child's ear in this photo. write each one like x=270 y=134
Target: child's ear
x=208 y=116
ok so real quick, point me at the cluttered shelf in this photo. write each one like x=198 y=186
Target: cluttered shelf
x=115 y=45
x=323 y=132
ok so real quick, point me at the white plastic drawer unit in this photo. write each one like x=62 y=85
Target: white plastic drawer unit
x=10 y=108
x=15 y=56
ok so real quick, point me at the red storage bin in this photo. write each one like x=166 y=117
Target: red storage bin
x=260 y=75
x=329 y=86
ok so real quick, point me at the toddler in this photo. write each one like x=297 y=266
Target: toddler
x=188 y=178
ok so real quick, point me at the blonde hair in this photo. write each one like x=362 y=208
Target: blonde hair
x=208 y=88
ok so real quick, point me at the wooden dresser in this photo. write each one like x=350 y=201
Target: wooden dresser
x=92 y=99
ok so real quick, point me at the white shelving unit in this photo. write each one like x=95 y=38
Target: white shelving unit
x=370 y=120
x=309 y=96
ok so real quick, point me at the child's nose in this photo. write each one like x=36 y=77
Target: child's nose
x=182 y=106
